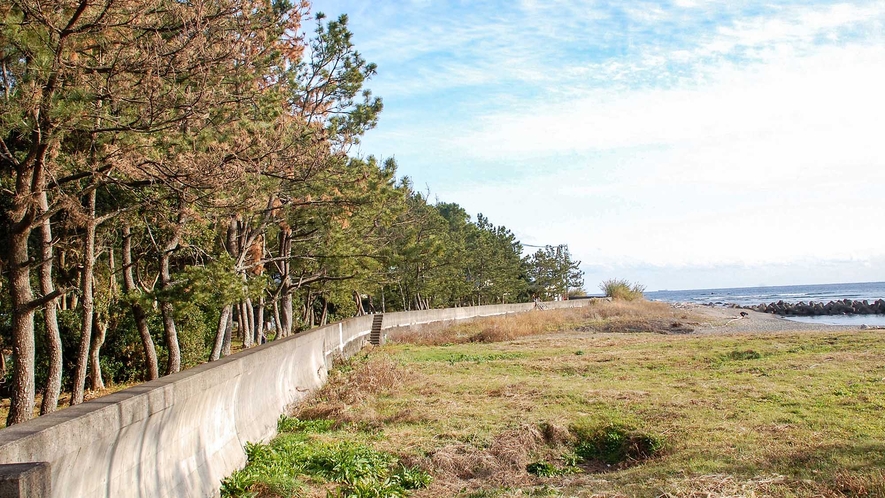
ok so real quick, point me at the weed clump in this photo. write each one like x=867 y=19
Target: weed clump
x=622 y=289
x=546 y=469
x=743 y=355
x=614 y=444
x=300 y=455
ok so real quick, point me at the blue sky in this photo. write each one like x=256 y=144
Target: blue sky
x=682 y=144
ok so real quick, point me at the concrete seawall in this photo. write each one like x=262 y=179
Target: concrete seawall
x=178 y=436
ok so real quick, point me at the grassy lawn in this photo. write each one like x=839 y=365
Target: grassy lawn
x=788 y=414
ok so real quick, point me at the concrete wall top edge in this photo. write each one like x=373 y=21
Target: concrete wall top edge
x=141 y=401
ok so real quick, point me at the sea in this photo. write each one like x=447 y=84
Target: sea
x=748 y=296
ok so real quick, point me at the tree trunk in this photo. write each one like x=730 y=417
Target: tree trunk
x=402 y=294
x=284 y=326
x=325 y=315
x=2 y=363
x=260 y=338
x=88 y=305
x=287 y=314
x=29 y=180
x=240 y=322
x=249 y=333
x=360 y=311
x=173 y=363
x=52 y=389
x=217 y=347
x=63 y=302
x=305 y=307
x=228 y=332
x=245 y=325
x=276 y=319
x=22 y=403
x=170 y=333
x=225 y=324
x=138 y=312
x=100 y=331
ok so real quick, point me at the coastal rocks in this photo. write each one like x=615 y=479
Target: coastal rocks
x=843 y=307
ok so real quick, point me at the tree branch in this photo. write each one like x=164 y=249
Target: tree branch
x=36 y=303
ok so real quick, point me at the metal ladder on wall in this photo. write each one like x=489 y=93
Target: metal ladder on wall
x=375 y=335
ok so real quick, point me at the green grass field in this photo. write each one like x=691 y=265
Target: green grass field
x=790 y=414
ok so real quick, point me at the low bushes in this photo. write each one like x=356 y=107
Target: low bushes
x=300 y=456
x=622 y=289
x=614 y=444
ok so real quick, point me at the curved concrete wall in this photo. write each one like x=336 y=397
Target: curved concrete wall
x=178 y=436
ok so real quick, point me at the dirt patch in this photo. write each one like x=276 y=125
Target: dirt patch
x=722 y=319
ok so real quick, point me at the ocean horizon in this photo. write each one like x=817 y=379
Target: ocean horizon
x=750 y=296
x=746 y=296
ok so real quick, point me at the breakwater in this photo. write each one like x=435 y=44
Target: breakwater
x=811 y=308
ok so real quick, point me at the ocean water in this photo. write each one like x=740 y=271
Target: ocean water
x=748 y=296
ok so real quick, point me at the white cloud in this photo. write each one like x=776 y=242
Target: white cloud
x=833 y=96
x=654 y=138
x=770 y=163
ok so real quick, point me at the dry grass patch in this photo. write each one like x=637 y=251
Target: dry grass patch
x=723 y=486
x=350 y=384
x=490 y=329
x=640 y=316
x=870 y=482
x=501 y=462
x=600 y=315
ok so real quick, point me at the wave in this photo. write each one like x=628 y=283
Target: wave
x=746 y=296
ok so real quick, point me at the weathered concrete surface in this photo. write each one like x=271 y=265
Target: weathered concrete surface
x=178 y=436
x=25 y=480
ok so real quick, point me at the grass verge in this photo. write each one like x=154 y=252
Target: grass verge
x=590 y=412
x=312 y=458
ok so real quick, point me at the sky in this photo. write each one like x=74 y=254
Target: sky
x=683 y=144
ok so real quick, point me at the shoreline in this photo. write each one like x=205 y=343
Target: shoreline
x=727 y=319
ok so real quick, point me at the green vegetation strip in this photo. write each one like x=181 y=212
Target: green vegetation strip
x=311 y=453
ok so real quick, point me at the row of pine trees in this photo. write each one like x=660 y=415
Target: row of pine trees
x=176 y=181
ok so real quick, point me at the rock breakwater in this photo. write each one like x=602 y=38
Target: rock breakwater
x=811 y=308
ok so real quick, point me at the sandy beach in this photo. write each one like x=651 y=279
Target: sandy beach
x=726 y=320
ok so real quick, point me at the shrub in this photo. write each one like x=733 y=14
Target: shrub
x=547 y=469
x=614 y=444
x=744 y=355
x=299 y=455
x=542 y=469
x=622 y=289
